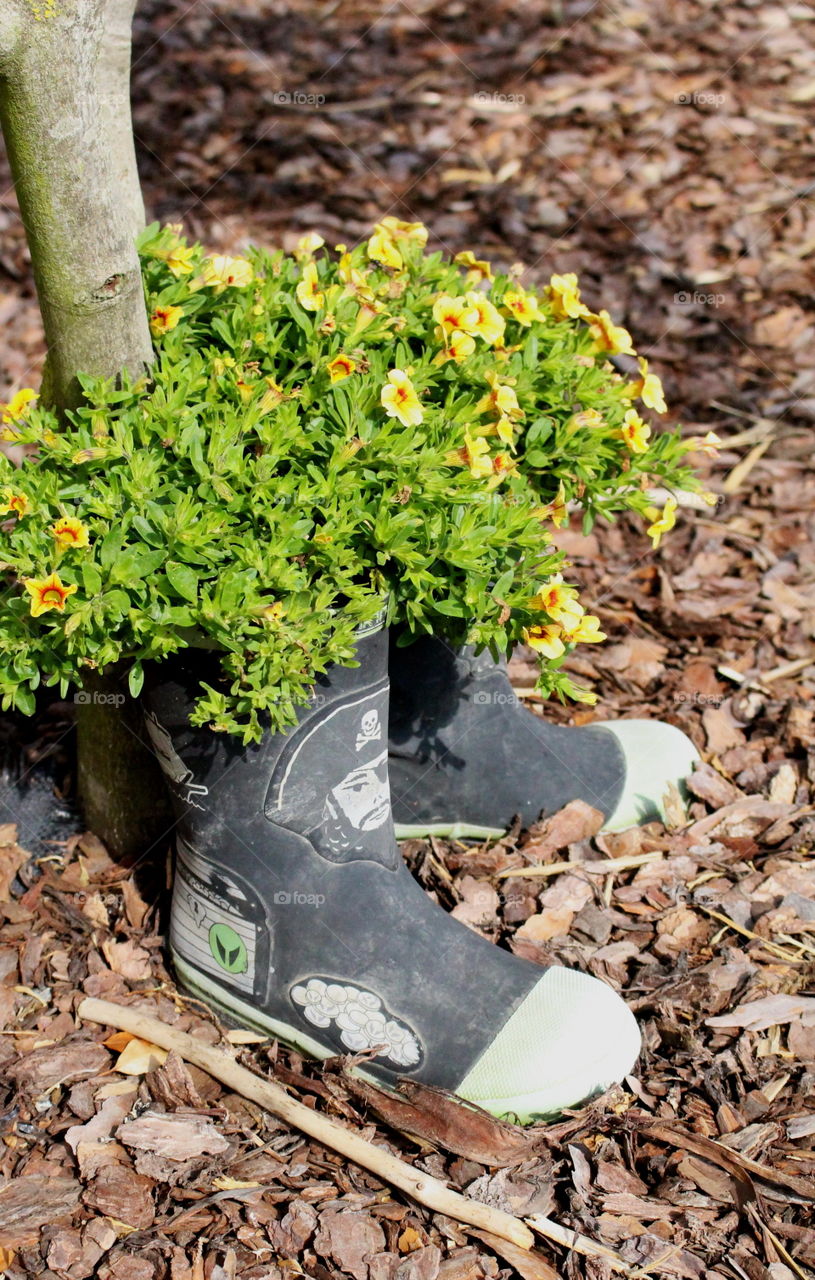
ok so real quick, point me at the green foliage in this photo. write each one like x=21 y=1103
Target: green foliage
x=265 y=489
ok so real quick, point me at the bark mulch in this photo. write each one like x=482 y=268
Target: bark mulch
x=662 y=151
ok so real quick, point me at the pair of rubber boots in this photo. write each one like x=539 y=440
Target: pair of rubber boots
x=293 y=912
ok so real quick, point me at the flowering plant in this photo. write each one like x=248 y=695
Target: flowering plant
x=318 y=432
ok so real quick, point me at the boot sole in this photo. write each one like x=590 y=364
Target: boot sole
x=522 y=1110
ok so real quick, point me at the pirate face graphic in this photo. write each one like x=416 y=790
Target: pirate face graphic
x=362 y=797
x=331 y=782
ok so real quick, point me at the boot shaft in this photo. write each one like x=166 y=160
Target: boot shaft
x=325 y=779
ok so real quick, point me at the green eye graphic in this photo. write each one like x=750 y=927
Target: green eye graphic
x=228 y=948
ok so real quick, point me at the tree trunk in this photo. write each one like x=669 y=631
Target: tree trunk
x=65 y=114
x=64 y=108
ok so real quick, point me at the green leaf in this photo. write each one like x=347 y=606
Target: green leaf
x=183 y=580
x=135 y=679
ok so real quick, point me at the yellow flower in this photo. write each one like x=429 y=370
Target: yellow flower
x=545 y=639
x=17 y=406
x=559 y=601
x=489 y=324
x=585 y=630
x=368 y=311
x=399 y=400
x=245 y=389
x=709 y=444
x=586 y=418
x=502 y=464
x=356 y=281
x=308 y=292
x=308 y=245
x=635 y=432
x=665 y=522
x=457 y=345
x=340 y=367
x=455 y=313
x=522 y=306
x=271 y=398
x=504 y=428
x=179 y=260
x=648 y=388
x=413 y=232
x=69 y=532
x=500 y=399
x=556 y=510
x=477 y=268
x=610 y=337
x=474 y=455
x=223 y=272
x=47 y=593
x=274 y=612
x=563 y=293
x=381 y=248
x=16 y=502
x=164 y=319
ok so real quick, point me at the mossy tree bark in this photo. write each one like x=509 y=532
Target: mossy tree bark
x=65 y=115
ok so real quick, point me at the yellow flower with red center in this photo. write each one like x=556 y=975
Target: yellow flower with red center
x=17 y=502
x=559 y=601
x=502 y=464
x=455 y=313
x=557 y=511
x=709 y=444
x=399 y=400
x=18 y=405
x=308 y=291
x=341 y=367
x=274 y=612
x=664 y=522
x=223 y=272
x=635 y=432
x=586 y=630
x=489 y=323
x=477 y=268
x=522 y=306
x=308 y=245
x=456 y=346
x=610 y=337
x=563 y=293
x=586 y=418
x=500 y=399
x=47 y=593
x=474 y=455
x=546 y=639
x=382 y=248
x=164 y=319
x=245 y=389
x=69 y=532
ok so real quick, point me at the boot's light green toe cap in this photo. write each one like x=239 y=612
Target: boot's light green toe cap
x=656 y=755
x=569 y=1039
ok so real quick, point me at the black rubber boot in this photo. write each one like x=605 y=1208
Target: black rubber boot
x=294 y=913
x=466 y=757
